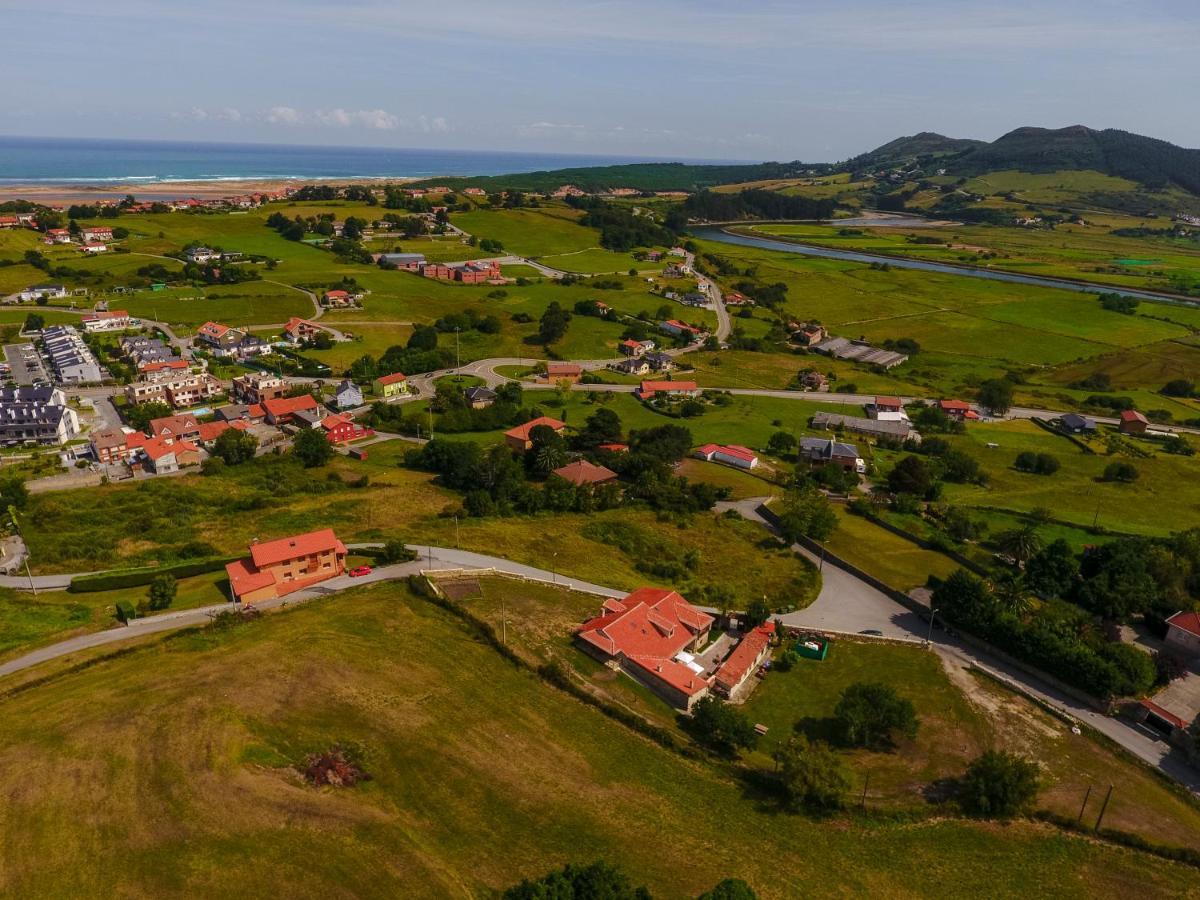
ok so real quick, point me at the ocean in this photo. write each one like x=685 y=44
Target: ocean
x=97 y=162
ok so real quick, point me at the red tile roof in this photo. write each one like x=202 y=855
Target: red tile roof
x=210 y=431
x=614 y=448
x=650 y=388
x=1163 y=714
x=954 y=405
x=744 y=655
x=654 y=623
x=214 y=330
x=395 y=378
x=1132 y=415
x=676 y=674
x=888 y=402
x=582 y=472
x=272 y=552
x=286 y=406
x=1188 y=621
x=185 y=423
x=244 y=577
x=156 y=448
x=521 y=432
x=735 y=450
x=559 y=368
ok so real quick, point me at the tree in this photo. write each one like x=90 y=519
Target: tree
x=721 y=727
x=963 y=597
x=424 y=337
x=599 y=881
x=757 y=612
x=395 y=552
x=782 y=443
x=807 y=513
x=552 y=326
x=1120 y=471
x=547 y=451
x=234 y=446
x=312 y=448
x=730 y=889
x=34 y=322
x=996 y=394
x=911 y=475
x=870 y=714
x=162 y=592
x=1020 y=544
x=810 y=774
x=1011 y=594
x=1052 y=571
x=139 y=415
x=602 y=427
x=999 y=785
x=1116 y=581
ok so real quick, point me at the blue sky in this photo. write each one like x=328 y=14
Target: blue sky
x=755 y=79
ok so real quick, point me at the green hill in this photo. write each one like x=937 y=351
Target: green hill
x=903 y=151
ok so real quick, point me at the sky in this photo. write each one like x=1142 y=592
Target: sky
x=720 y=79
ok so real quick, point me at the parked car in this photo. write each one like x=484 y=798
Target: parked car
x=875 y=632
x=360 y=571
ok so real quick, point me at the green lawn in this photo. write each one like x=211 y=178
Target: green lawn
x=895 y=561
x=481 y=775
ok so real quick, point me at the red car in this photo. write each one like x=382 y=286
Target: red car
x=359 y=571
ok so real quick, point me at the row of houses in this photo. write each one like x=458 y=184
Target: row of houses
x=37 y=414
x=481 y=272
x=108 y=320
x=69 y=357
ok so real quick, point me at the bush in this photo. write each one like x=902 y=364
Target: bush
x=162 y=592
x=721 y=727
x=1120 y=471
x=599 y=881
x=998 y=785
x=810 y=774
x=125 y=611
x=109 y=581
x=312 y=448
x=870 y=715
x=1036 y=463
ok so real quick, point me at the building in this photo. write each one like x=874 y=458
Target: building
x=178 y=390
x=70 y=358
x=94 y=248
x=57 y=236
x=675 y=327
x=813 y=380
x=957 y=410
x=95 y=233
x=518 y=438
x=36 y=291
x=823 y=451
x=633 y=365
x=208 y=432
x=631 y=348
x=283 y=410
x=277 y=568
x=257 y=387
x=730 y=680
x=252 y=414
x=561 y=371
x=299 y=330
x=649 y=635
x=673 y=389
x=201 y=255
x=389 y=386
x=339 y=298
x=479 y=397
x=733 y=298
x=731 y=455
x=898 y=431
x=581 y=472
x=223 y=341
x=409 y=262
x=162 y=457
x=110 y=320
x=36 y=415
x=859 y=351
x=341 y=429
x=885 y=405
x=1183 y=633
x=659 y=362
x=1133 y=422
x=808 y=334
x=1073 y=423
x=174 y=428
x=112 y=445
x=348 y=395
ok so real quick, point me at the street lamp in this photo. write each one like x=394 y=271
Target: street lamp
x=929 y=637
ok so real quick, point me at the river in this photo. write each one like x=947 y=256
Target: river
x=715 y=233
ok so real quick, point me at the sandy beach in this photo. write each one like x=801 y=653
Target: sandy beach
x=53 y=194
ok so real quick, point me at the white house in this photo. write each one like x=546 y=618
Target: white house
x=731 y=455
x=1183 y=633
x=348 y=395
x=49 y=291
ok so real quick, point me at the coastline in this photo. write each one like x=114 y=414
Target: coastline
x=202 y=189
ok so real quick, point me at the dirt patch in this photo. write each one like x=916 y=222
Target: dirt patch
x=997 y=704
x=461 y=590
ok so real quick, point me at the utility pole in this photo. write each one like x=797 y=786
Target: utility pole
x=1086 y=796
x=457 y=355
x=457 y=541
x=1103 y=808
x=866 y=781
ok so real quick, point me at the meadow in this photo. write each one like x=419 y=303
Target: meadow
x=480 y=775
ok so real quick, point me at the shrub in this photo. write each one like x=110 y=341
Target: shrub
x=162 y=592
x=810 y=774
x=870 y=714
x=721 y=727
x=998 y=785
x=1121 y=471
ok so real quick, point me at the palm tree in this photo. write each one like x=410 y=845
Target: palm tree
x=1012 y=595
x=1020 y=544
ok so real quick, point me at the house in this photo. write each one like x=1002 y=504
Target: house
x=299 y=330
x=479 y=397
x=614 y=448
x=887 y=405
x=732 y=455
x=283 y=410
x=631 y=348
x=95 y=233
x=678 y=251
x=341 y=429
x=348 y=395
x=37 y=414
x=255 y=387
x=518 y=438
x=477 y=272
x=208 y=432
x=57 y=236
x=111 y=445
x=675 y=327
x=561 y=371
x=37 y=291
x=175 y=388
x=1073 y=423
x=808 y=334
x=307 y=418
x=581 y=472
x=224 y=341
x=733 y=298
x=409 y=262
x=94 y=248
x=632 y=366
x=175 y=428
x=388 y=386
x=730 y=680
x=1183 y=633
x=695 y=298
x=70 y=358
x=110 y=320
x=1133 y=422
x=649 y=389
x=649 y=635
x=823 y=451
x=659 y=362
x=163 y=368
x=957 y=410
x=340 y=298
x=162 y=457
x=879 y=428
x=276 y=568
x=252 y=414
x=201 y=255
x=813 y=380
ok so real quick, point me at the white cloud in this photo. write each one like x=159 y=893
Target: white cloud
x=283 y=115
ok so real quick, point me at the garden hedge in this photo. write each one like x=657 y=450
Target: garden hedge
x=122 y=578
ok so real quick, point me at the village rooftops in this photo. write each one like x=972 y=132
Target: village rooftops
x=287 y=406
x=521 y=432
x=1132 y=415
x=651 y=624
x=582 y=472
x=270 y=553
x=744 y=655
x=396 y=378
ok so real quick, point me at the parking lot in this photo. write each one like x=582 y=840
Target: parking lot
x=25 y=364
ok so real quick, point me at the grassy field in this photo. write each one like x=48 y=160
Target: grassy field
x=895 y=561
x=480 y=776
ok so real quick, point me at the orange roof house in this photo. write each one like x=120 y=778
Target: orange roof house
x=280 y=410
x=744 y=660
x=648 y=634
x=518 y=438
x=276 y=568
x=561 y=371
x=648 y=389
x=582 y=472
